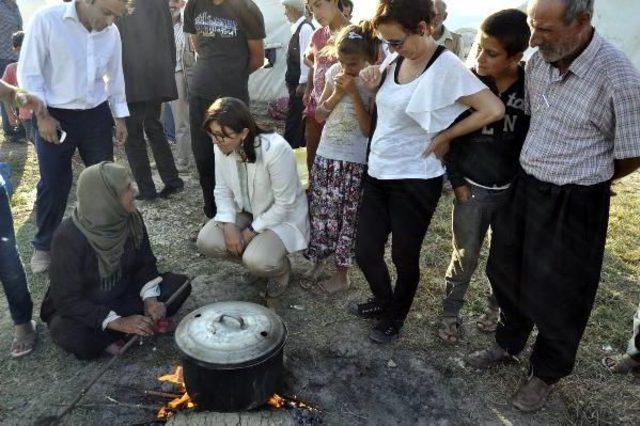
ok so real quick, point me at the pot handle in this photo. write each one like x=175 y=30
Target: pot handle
x=239 y=320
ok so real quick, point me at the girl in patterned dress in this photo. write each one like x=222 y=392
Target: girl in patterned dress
x=338 y=168
x=329 y=14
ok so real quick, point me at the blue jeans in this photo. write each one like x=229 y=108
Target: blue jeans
x=12 y=274
x=91 y=132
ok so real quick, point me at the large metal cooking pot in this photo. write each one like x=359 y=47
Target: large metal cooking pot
x=232 y=355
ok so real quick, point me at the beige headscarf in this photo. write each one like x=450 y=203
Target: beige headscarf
x=102 y=219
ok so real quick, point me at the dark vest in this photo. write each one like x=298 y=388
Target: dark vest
x=293 y=56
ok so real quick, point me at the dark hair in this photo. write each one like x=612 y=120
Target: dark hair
x=510 y=27
x=341 y=4
x=406 y=13
x=355 y=40
x=234 y=114
x=347 y=3
x=17 y=38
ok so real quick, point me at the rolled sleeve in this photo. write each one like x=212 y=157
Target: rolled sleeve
x=626 y=108
x=112 y=316
x=115 y=80
x=151 y=289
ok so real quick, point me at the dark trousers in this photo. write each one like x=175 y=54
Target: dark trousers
x=145 y=118
x=544 y=266
x=203 y=152
x=402 y=208
x=91 y=132
x=88 y=343
x=12 y=274
x=294 y=126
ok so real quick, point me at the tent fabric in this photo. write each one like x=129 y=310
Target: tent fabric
x=268 y=83
x=615 y=19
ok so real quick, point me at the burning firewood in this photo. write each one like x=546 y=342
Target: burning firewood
x=181 y=402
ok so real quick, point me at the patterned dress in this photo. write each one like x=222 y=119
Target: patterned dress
x=321 y=64
x=336 y=180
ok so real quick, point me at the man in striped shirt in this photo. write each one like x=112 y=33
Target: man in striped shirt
x=584 y=98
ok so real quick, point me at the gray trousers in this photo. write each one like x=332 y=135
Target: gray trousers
x=180 y=112
x=470 y=222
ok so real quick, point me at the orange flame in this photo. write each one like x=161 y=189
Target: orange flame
x=277 y=401
x=180 y=403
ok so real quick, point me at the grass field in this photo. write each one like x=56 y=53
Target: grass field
x=590 y=396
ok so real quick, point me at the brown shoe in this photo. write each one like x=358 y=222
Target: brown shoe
x=487 y=358
x=532 y=395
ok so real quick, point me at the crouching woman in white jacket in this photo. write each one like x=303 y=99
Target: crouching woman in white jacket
x=262 y=211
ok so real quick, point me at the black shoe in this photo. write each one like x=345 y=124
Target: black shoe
x=147 y=197
x=368 y=310
x=168 y=190
x=386 y=331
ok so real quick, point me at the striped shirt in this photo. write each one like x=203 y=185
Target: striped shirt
x=10 y=22
x=583 y=120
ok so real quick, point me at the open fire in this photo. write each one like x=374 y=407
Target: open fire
x=182 y=402
x=302 y=412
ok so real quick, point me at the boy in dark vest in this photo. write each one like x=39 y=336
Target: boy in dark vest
x=297 y=71
x=482 y=164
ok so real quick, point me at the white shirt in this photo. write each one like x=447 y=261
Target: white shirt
x=69 y=67
x=305 y=38
x=410 y=115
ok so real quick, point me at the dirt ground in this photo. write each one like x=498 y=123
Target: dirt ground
x=329 y=360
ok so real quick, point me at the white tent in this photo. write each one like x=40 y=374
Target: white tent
x=615 y=19
x=268 y=83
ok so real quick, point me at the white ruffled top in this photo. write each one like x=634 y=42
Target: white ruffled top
x=410 y=115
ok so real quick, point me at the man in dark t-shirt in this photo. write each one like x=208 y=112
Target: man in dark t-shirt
x=228 y=38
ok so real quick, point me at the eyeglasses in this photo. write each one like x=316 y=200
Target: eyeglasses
x=220 y=137
x=396 y=44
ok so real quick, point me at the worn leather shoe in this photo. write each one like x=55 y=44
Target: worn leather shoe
x=169 y=190
x=532 y=395
x=386 y=331
x=489 y=357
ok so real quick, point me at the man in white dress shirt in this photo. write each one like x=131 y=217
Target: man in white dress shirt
x=71 y=59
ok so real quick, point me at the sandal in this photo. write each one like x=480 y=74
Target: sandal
x=621 y=364
x=488 y=322
x=450 y=329
x=25 y=344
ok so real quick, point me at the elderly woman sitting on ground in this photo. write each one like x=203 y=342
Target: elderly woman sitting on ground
x=262 y=212
x=104 y=279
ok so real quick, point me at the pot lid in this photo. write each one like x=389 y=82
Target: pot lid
x=230 y=334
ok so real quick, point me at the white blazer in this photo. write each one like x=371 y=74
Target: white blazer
x=277 y=198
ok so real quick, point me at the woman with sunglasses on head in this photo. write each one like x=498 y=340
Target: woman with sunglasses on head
x=420 y=96
x=262 y=210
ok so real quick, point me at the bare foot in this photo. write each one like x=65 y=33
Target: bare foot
x=339 y=281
